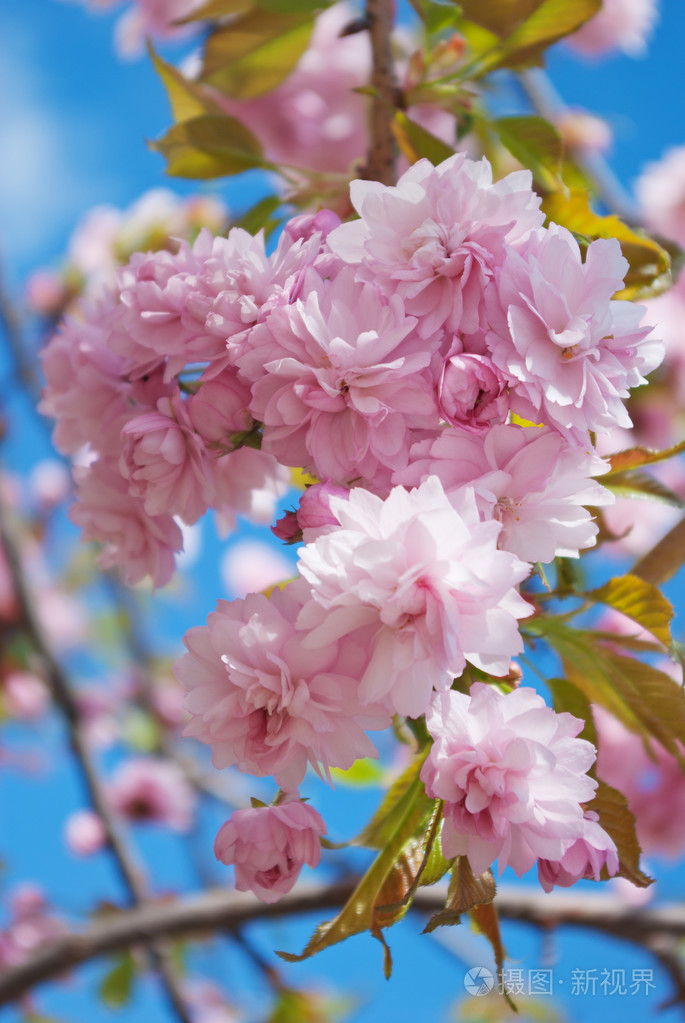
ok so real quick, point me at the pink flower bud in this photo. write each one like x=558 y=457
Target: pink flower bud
x=268 y=846
x=308 y=224
x=288 y=528
x=472 y=393
x=314 y=513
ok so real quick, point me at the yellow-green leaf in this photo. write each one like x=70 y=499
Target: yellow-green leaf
x=415 y=142
x=362 y=774
x=209 y=146
x=256 y=52
x=357 y=914
x=639 y=600
x=499 y=16
x=550 y=21
x=187 y=99
x=536 y=144
x=649 y=262
x=619 y=823
x=566 y=697
x=633 y=458
x=645 y=700
x=664 y=559
x=214 y=10
x=635 y=483
x=382 y=825
x=116 y=986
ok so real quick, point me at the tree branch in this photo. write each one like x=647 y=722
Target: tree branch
x=547 y=102
x=383 y=149
x=194 y=916
x=64 y=699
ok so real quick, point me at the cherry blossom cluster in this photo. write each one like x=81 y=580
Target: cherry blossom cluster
x=440 y=365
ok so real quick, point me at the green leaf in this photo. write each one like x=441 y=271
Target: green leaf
x=619 y=823
x=362 y=774
x=255 y=53
x=415 y=142
x=383 y=824
x=464 y=893
x=639 y=600
x=140 y=730
x=256 y=218
x=358 y=913
x=499 y=16
x=645 y=700
x=438 y=17
x=117 y=986
x=635 y=483
x=187 y=98
x=649 y=262
x=549 y=21
x=664 y=559
x=536 y=144
x=292 y=6
x=633 y=458
x=566 y=697
x=214 y=10
x=209 y=147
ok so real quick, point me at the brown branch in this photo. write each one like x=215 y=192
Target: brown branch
x=64 y=699
x=547 y=102
x=197 y=915
x=382 y=156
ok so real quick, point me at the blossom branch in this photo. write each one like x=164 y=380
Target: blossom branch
x=64 y=699
x=547 y=102
x=196 y=915
x=383 y=150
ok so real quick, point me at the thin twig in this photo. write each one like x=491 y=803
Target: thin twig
x=656 y=929
x=547 y=102
x=58 y=682
x=382 y=159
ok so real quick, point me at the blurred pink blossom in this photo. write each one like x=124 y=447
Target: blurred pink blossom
x=152 y=789
x=660 y=191
x=84 y=833
x=619 y=25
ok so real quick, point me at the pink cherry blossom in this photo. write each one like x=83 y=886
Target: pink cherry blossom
x=84 y=833
x=585 y=858
x=250 y=566
x=155 y=19
x=512 y=774
x=314 y=118
x=152 y=789
x=264 y=701
x=248 y=482
x=660 y=191
x=339 y=380
x=166 y=463
x=424 y=577
x=269 y=845
x=219 y=410
x=140 y=543
x=438 y=237
x=619 y=25
x=472 y=393
x=651 y=779
x=24 y=695
x=86 y=389
x=569 y=352
x=531 y=480
x=314 y=515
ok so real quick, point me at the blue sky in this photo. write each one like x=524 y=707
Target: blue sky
x=73 y=125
